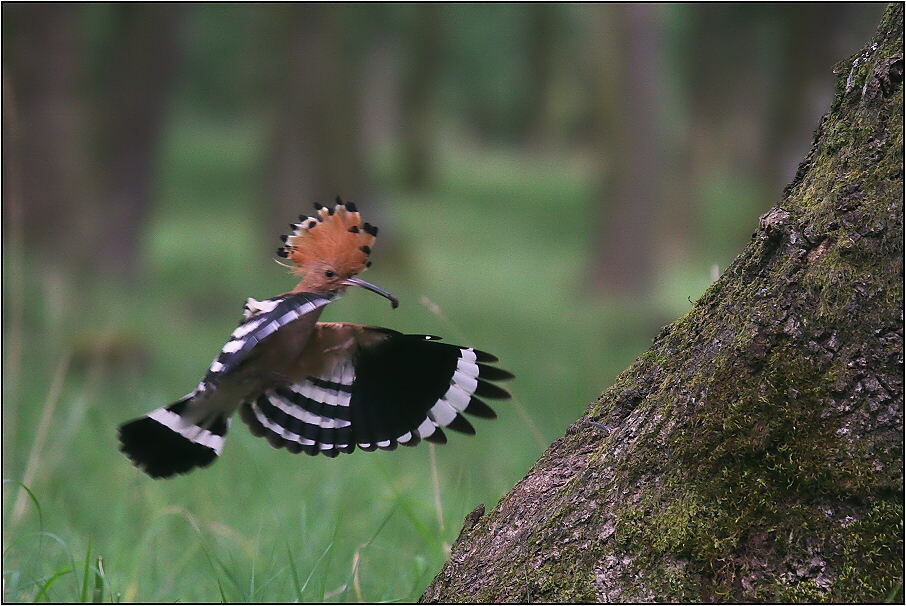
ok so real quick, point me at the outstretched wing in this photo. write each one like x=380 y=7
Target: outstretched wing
x=261 y=319
x=375 y=388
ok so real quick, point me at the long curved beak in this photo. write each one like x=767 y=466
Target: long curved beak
x=354 y=281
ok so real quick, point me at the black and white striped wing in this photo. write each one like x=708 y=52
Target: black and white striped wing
x=261 y=319
x=397 y=389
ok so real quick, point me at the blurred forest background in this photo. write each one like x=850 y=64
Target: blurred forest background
x=553 y=183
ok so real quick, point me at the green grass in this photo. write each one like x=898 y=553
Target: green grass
x=493 y=258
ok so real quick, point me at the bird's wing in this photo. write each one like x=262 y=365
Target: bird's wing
x=261 y=320
x=374 y=388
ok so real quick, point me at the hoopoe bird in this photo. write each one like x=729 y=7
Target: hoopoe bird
x=319 y=387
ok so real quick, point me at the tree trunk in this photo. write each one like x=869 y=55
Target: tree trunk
x=316 y=152
x=40 y=67
x=757 y=450
x=418 y=136
x=630 y=190
x=139 y=74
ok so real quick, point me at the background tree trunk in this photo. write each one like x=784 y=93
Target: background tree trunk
x=87 y=126
x=40 y=66
x=137 y=82
x=757 y=449
x=628 y=108
x=419 y=115
x=317 y=151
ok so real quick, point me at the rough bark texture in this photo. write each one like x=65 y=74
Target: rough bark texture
x=758 y=445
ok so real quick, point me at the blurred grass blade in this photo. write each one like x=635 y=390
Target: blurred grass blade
x=292 y=564
x=251 y=597
x=34 y=457
x=86 y=573
x=34 y=499
x=405 y=505
x=435 y=484
x=223 y=597
x=11 y=589
x=355 y=574
x=212 y=558
x=295 y=575
x=98 y=596
x=50 y=581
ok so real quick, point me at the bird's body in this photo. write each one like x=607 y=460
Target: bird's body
x=319 y=387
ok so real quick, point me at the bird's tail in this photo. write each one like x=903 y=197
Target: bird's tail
x=169 y=441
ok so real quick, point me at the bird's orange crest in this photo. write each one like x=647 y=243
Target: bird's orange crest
x=335 y=236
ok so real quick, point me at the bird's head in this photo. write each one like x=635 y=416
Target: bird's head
x=329 y=250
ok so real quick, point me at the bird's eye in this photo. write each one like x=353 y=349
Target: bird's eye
x=329 y=273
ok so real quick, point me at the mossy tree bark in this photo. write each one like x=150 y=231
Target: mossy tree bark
x=757 y=451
